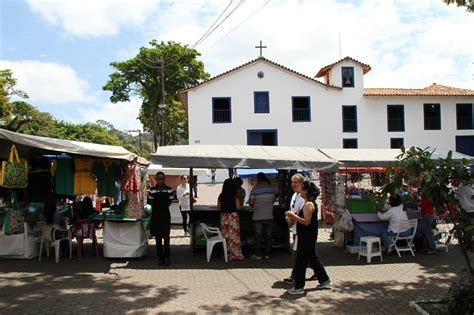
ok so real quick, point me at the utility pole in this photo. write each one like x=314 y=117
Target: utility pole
x=162 y=105
x=139 y=138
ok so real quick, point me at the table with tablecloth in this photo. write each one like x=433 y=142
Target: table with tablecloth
x=123 y=237
x=369 y=224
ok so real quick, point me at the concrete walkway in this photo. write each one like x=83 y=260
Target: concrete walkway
x=94 y=285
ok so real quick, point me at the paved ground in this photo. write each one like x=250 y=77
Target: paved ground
x=95 y=285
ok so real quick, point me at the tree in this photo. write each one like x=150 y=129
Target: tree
x=7 y=89
x=140 y=76
x=469 y=4
x=438 y=179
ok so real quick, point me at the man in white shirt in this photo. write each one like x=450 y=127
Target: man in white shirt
x=182 y=193
x=394 y=215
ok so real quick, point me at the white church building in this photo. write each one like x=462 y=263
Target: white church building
x=264 y=103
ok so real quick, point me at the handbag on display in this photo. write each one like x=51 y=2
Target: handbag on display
x=14 y=172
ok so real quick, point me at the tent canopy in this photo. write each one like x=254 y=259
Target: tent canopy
x=241 y=156
x=154 y=168
x=380 y=157
x=67 y=146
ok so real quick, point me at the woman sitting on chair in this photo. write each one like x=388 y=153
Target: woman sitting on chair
x=393 y=215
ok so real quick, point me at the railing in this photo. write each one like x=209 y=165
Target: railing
x=396 y=124
x=349 y=125
x=432 y=123
x=465 y=123
x=221 y=116
x=301 y=114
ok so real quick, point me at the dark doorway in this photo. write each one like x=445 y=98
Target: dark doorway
x=262 y=137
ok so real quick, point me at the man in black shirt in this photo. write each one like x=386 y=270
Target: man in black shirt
x=160 y=197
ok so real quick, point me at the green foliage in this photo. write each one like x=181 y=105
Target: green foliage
x=7 y=89
x=140 y=76
x=437 y=179
x=469 y=4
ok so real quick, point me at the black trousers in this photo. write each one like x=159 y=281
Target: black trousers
x=305 y=254
x=162 y=246
x=311 y=263
x=184 y=214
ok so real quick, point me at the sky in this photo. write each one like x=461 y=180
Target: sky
x=60 y=50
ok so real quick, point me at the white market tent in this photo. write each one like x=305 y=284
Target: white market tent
x=242 y=156
x=174 y=171
x=380 y=157
x=66 y=146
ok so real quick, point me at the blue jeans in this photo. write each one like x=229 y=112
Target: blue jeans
x=427 y=222
x=263 y=229
x=387 y=235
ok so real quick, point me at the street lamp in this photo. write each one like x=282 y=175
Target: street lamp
x=162 y=108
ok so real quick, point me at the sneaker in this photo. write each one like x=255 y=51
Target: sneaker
x=267 y=257
x=325 y=285
x=289 y=280
x=255 y=257
x=431 y=252
x=295 y=291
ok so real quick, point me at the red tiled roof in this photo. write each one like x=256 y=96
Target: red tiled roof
x=322 y=72
x=431 y=90
x=255 y=61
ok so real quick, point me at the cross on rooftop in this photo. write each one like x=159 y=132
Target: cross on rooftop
x=260 y=46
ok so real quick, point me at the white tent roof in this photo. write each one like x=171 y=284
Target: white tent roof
x=380 y=157
x=67 y=146
x=153 y=168
x=241 y=156
x=363 y=157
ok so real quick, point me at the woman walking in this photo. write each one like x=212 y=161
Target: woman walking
x=307 y=227
x=228 y=205
x=183 y=192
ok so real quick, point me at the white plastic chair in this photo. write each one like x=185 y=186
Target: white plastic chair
x=404 y=225
x=48 y=238
x=213 y=240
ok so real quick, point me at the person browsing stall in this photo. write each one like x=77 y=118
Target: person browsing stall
x=228 y=204
x=160 y=197
x=261 y=200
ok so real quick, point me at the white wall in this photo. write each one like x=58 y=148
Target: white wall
x=325 y=128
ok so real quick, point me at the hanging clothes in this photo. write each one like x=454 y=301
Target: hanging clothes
x=40 y=184
x=106 y=172
x=84 y=183
x=131 y=181
x=64 y=177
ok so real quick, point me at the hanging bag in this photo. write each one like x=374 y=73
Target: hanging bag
x=14 y=172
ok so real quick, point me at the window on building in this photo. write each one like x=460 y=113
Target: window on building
x=465 y=116
x=347 y=76
x=262 y=137
x=221 y=110
x=261 y=102
x=396 y=143
x=349 y=118
x=432 y=115
x=349 y=143
x=395 y=118
x=301 y=108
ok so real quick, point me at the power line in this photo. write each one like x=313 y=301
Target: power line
x=233 y=29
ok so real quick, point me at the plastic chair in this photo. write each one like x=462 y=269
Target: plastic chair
x=213 y=240
x=404 y=225
x=49 y=238
x=370 y=250
x=85 y=229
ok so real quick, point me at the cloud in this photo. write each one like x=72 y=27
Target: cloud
x=92 y=18
x=48 y=83
x=122 y=115
x=397 y=38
